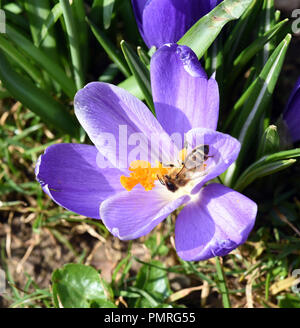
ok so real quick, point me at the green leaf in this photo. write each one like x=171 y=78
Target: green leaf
x=152 y=244
x=214 y=61
x=73 y=43
x=222 y=284
x=140 y=72
x=238 y=106
x=126 y=14
x=269 y=142
x=267 y=21
x=289 y=301
x=240 y=34
x=51 y=19
x=203 y=33
x=4 y=94
x=36 y=99
x=267 y=165
x=258 y=99
x=50 y=66
x=113 y=53
x=83 y=38
x=247 y=54
x=262 y=171
x=14 y=8
x=152 y=279
x=144 y=57
x=19 y=58
x=79 y=286
x=96 y=12
x=131 y=86
x=108 y=7
x=109 y=74
x=37 y=12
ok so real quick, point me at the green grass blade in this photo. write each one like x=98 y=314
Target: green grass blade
x=51 y=19
x=241 y=32
x=130 y=30
x=19 y=58
x=241 y=101
x=73 y=43
x=286 y=157
x=96 y=13
x=36 y=99
x=37 y=12
x=4 y=94
x=109 y=74
x=113 y=53
x=203 y=33
x=131 y=86
x=144 y=57
x=268 y=21
x=256 y=104
x=18 y=20
x=140 y=72
x=262 y=171
x=14 y=8
x=222 y=284
x=50 y=66
x=108 y=7
x=247 y=54
x=79 y=14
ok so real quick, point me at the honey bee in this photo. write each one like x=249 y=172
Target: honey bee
x=180 y=176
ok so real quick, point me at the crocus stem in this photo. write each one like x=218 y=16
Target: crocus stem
x=222 y=284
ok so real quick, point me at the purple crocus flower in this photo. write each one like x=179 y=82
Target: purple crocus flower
x=291 y=114
x=165 y=21
x=215 y=219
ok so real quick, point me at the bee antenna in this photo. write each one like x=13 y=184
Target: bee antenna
x=183 y=166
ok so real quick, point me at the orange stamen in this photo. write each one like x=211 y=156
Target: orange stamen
x=143 y=173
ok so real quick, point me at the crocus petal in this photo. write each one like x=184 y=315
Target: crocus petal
x=214 y=3
x=292 y=113
x=103 y=109
x=138 y=8
x=214 y=224
x=183 y=96
x=69 y=174
x=130 y=215
x=167 y=21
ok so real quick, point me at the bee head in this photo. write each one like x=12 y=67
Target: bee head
x=170 y=184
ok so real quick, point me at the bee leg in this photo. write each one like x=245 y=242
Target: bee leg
x=160 y=180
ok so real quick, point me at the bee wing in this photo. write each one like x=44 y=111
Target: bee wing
x=194 y=160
